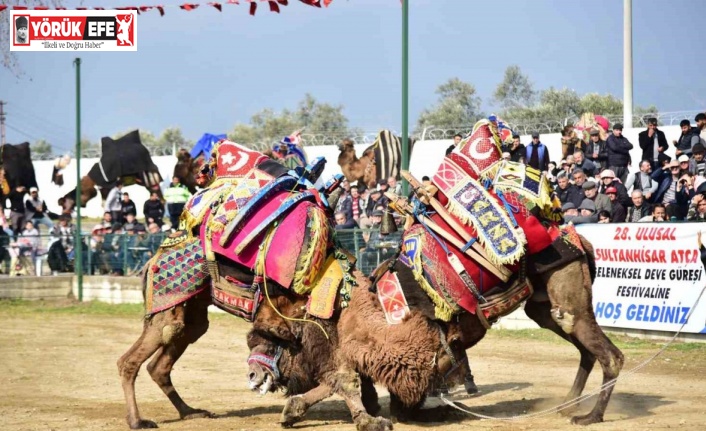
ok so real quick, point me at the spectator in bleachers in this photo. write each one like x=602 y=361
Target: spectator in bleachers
x=639 y=209
x=516 y=149
x=653 y=143
x=604 y=217
x=61 y=244
x=345 y=201
x=697 y=164
x=697 y=209
x=659 y=214
x=343 y=222
x=113 y=202
x=457 y=139
x=176 y=197
x=153 y=209
x=355 y=202
x=18 y=212
x=687 y=140
x=608 y=180
x=551 y=174
x=394 y=186
x=618 y=213
x=568 y=192
x=131 y=224
x=601 y=201
x=23 y=252
x=642 y=180
x=127 y=206
x=670 y=191
x=112 y=251
x=37 y=210
x=569 y=211
x=377 y=198
x=426 y=181
x=586 y=213
x=700 y=120
x=618 y=149
x=580 y=161
x=536 y=154
x=596 y=150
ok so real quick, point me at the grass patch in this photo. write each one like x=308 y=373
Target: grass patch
x=70 y=307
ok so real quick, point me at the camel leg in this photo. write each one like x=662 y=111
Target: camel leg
x=540 y=312
x=129 y=365
x=369 y=395
x=297 y=406
x=160 y=368
x=572 y=310
x=348 y=386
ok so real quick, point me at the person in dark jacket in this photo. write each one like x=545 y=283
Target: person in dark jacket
x=127 y=207
x=618 y=152
x=687 y=140
x=618 y=214
x=639 y=209
x=608 y=180
x=516 y=149
x=536 y=154
x=673 y=191
x=653 y=143
x=153 y=209
x=567 y=192
x=596 y=151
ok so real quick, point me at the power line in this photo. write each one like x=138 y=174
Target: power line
x=28 y=112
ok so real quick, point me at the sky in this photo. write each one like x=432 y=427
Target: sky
x=206 y=71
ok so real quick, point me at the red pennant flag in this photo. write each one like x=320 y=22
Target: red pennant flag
x=98 y=8
x=312 y=2
x=145 y=8
x=233 y=2
x=253 y=8
x=129 y=8
x=216 y=5
x=282 y=2
x=189 y=6
x=327 y=2
x=81 y=8
x=41 y=8
x=161 y=10
x=274 y=7
x=2 y=7
x=19 y=7
x=60 y=8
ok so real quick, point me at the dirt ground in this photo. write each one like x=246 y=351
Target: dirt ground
x=58 y=372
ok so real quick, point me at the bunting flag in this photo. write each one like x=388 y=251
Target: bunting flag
x=273 y=4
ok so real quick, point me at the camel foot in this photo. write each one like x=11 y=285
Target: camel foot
x=470 y=386
x=369 y=423
x=196 y=414
x=294 y=411
x=143 y=424
x=586 y=419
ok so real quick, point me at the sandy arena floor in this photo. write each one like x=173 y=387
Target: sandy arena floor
x=58 y=372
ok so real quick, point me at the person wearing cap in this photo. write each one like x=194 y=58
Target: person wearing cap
x=653 y=142
x=673 y=190
x=687 y=140
x=536 y=154
x=587 y=213
x=608 y=180
x=601 y=202
x=642 y=180
x=596 y=150
x=697 y=164
x=569 y=210
x=618 y=149
x=21 y=27
x=567 y=192
x=36 y=210
x=618 y=212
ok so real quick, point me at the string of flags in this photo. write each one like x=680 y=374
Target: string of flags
x=274 y=6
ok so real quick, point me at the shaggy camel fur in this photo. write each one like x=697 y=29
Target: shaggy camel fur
x=167 y=334
x=408 y=359
x=187 y=168
x=561 y=303
x=357 y=169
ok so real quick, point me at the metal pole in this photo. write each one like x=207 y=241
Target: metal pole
x=627 y=63
x=405 y=91
x=2 y=123
x=78 y=244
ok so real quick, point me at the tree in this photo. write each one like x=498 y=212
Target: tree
x=90 y=148
x=42 y=150
x=267 y=126
x=516 y=90
x=172 y=138
x=457 y=106
x=147 y=138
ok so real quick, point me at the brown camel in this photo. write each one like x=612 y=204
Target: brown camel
x=167 y=334
x=357 y=169
x=187 y=168
x=561 y=302
x=88 y=192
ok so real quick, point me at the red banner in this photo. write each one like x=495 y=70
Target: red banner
x=273 y=4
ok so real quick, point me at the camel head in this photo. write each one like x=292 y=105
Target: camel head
x=269 y=364
x=187 y=169
x=88 y=192
x=357 y=169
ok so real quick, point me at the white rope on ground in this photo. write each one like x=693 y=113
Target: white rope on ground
x=577 y=400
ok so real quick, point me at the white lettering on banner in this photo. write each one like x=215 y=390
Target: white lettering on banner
x=649 y=275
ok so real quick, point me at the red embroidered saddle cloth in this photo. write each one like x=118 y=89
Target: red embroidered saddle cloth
x=291 y=253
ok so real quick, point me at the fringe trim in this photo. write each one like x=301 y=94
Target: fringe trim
x=262 y=254
x=441 y=308
x=304 y=277
x=465 y=216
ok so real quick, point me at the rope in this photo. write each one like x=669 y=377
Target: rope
x=291 y=319
x=577 y=400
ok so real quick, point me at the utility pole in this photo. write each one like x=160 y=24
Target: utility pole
x=2 y=122
x=405 y=92
x=627 y=63
x=79 y=237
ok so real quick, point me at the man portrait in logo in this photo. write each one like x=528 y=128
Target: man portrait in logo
x=21 y=30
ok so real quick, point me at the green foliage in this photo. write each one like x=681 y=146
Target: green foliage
x=458 y=105
x=268 y=126
x=516 y=90
x=172 y=137
x=41 y=150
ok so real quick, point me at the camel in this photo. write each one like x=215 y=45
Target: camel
x=357 y=169
x=187 y=169
x=88 y=192
x=561 y=302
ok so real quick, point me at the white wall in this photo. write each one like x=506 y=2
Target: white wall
x=425 y=159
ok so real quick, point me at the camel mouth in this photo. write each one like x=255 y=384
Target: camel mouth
x=262 y=381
